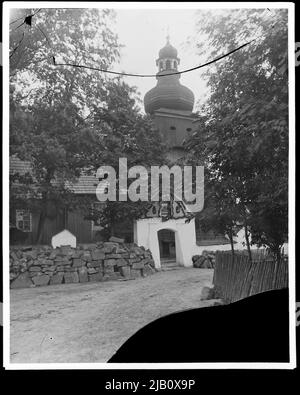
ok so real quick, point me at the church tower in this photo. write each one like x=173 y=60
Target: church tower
x=168 y=228
x=171 y=103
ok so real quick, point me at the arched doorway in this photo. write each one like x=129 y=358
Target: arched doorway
x=146 y=234
x=167 y=247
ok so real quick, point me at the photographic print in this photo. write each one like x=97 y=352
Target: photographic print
x=149 y=186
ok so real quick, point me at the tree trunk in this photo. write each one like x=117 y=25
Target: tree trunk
x=277 y=258
x=42 y=218
x=231 y=244
x=248 y=242
x=112 y=229
x=65 y=218
x=40 y=228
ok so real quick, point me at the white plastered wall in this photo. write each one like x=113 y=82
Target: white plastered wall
x=146 y=234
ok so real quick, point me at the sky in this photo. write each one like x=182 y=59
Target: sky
x=143 y=33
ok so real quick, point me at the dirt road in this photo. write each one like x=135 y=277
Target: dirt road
x=89 y=322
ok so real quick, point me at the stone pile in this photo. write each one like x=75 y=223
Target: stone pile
x=205 y=261
x=112 y=260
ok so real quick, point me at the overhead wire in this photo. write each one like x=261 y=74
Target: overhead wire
x=75 y=65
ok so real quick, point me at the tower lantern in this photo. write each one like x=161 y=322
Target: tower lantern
x=167 y=59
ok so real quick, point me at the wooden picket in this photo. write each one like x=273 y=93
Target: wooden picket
x=239 y=278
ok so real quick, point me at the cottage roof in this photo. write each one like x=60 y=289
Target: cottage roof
x=86 y=184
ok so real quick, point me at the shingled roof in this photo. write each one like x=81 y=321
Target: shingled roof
x=86 y=184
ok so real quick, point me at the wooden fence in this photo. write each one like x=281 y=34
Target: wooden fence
x=239 y=278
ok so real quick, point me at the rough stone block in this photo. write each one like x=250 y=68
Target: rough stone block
x=138 y=251
x=92 y=270
x=83 y=275
x=49 y=269
x=57 y=278
x=96 y=263
x=33 y=274
x=113 y=256
x=125 y=271
x=14 y=256
x=49 y=273
x=89 y=246
x=41 y=280
x=77 y=262
x=22 y=281
x=97 y=254
x=147 y=271
x=77 y=254
x=36 y=262
x=207 y=264
x=136 y=273
x=30 y=254
x=121 y=262
x=114 y=239
x=62 y=261
x=35 y=268
x=138 y=265
x=86 y=256
x=71 y=277
x=120 y=250
x=54 y=253
x=27 y=248
x=66 y=250
x=207 y=293
x=151 y=263
x=109 y=247
x=108 y=269
x=109 y=262
x=134 y=260
x=19 y=254
x=47 y=263
x=41 y=261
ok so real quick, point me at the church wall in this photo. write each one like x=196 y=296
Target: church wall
x=146 y=235
x=173 y=138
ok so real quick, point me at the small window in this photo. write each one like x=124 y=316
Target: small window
x=168 y=65
x=24 y=220
x=189 y=129
x=173 y=128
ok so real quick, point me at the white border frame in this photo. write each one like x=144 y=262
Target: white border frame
x=6 y=292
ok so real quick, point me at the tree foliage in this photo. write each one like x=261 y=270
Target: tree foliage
x=66 y=121
x=244 y=142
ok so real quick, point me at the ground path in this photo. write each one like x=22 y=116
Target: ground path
x=89 y=322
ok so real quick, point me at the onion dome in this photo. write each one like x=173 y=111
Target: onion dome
x=168 y=93
x=168 y=51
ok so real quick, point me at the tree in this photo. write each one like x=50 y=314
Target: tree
x=130 y=135
x=66 y=121
x=244 y=141
x=221 y=213
x=75 y=36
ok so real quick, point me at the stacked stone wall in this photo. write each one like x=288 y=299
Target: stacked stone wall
x=43 y=265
